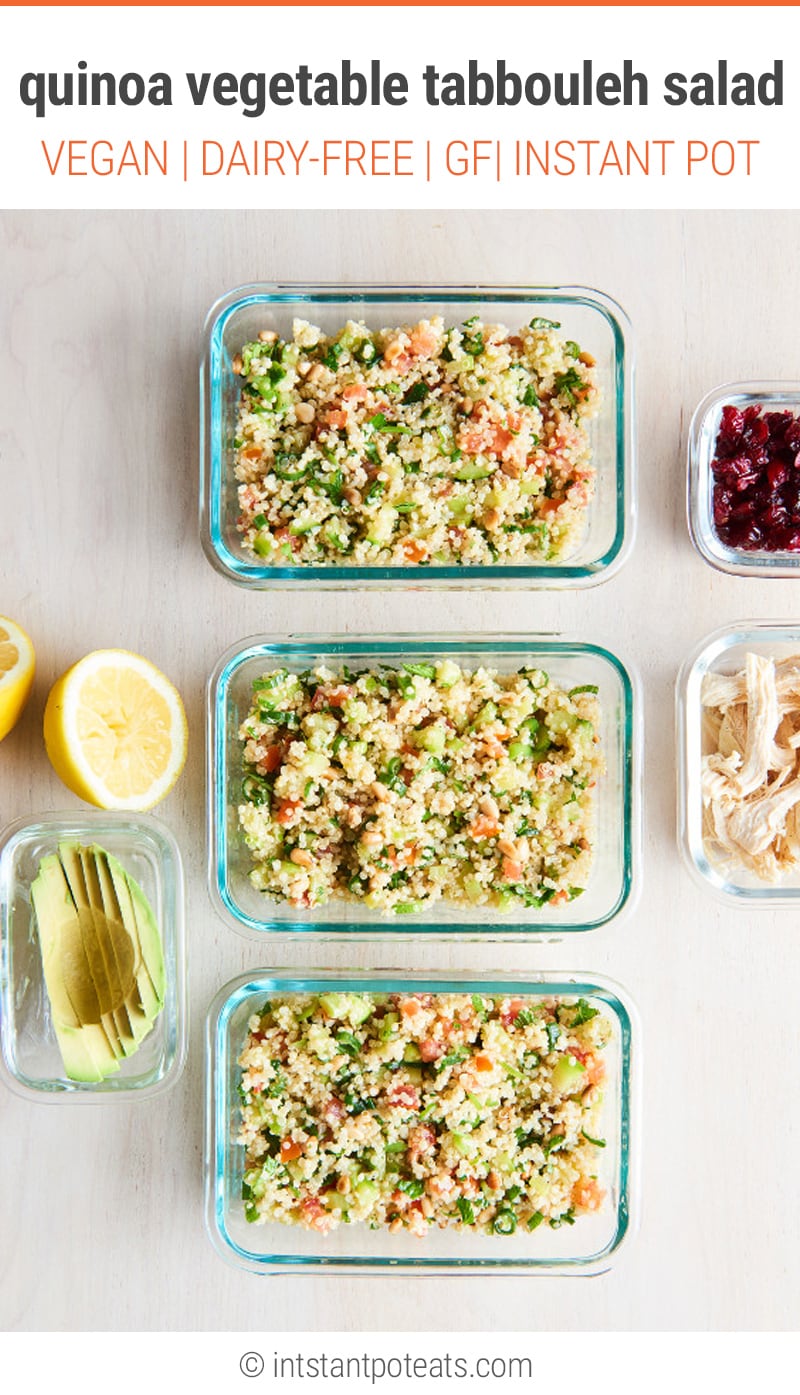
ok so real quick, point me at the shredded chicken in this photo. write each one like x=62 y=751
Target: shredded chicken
x=751 y=770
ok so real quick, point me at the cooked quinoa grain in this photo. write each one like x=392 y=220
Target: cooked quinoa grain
x=421 y=445
x=398 y=787
x=437 y=1109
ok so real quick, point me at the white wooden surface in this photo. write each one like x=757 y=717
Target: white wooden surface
x=101 y=1222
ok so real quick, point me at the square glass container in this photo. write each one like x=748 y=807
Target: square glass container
x=723 y=652
x=30 y=1055
x=770 y=397
x=569 y=662
x=588 y=1247
x=588 y=316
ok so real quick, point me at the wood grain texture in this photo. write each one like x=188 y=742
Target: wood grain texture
x=101 y=1218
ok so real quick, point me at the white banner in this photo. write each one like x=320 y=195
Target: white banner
x=610 y=1363
x=307 y=107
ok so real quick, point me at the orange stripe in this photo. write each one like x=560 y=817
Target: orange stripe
x=371 y=4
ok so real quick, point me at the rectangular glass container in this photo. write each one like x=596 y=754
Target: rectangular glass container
x=569 y=662
x=723 y=652
x=589 y=317
x=771 y=397
x=30 y=1055
x=588 y=1247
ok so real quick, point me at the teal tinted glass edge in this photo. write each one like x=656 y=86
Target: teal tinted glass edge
x=309 y=648
x=212 y=445
x=219 y=1106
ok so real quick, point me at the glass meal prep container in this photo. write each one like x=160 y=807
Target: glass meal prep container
x=589 y=317
x=590 y=1246
x=569 y=662
x=723 y=651
x=30 y=1054
x=703 y=433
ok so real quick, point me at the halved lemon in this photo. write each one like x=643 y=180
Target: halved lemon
x=17 y=663
x=115 y=730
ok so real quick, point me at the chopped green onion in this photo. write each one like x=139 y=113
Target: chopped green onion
x=598 y=1142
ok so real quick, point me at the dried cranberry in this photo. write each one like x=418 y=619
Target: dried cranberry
x=731 y=424
x=756 y=471
x=777 y=474
x=777 y=422
x=722 y=506
x=746 y=535
x=774 y=516
x=792 y=437
x=757 y=431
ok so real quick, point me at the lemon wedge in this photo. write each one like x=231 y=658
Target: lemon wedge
x=115 y=730
x=17 y=663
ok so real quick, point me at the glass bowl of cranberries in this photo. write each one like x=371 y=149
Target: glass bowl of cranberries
x=744 y=479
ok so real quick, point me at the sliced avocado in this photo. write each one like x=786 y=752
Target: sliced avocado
x=84 y=1045
x=102 y=965
x=137 y=916
x=121 y=955
x=145 y=994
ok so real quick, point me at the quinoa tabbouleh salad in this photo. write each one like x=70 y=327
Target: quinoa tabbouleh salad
x=400 y=786
x=419 y=1110
x=423 y=445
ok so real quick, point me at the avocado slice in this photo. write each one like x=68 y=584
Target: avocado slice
x=124 y=899
x=99 y=955
x=121 y=954
x=76 y=1011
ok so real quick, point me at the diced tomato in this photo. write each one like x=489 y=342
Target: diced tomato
x=420 y=1139
x=286 y=809
x=512 y=870
x=414 y=550
x=410 y=1007
x=483 y=1062
x=354 y=392
x=270 y=760
x=290 y=1149
x=484 y=826
x=431 y=1050
x=595 y=1069
x=315 y=1216
x=331 y=697
x=422 y=341
x=587 y=1195
x=335 y=1111
x=403 y=1096
x=395 y=356
x=549 y=506
x=283 y=535
x=511 y=1012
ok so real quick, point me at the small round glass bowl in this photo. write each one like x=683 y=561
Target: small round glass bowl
x=723 y=651
x=31 y=1059
x=703 y=432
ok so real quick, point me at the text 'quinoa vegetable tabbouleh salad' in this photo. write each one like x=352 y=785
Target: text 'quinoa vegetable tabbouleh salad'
x=401 y=786
x=437 y=1109
x=424 y=445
